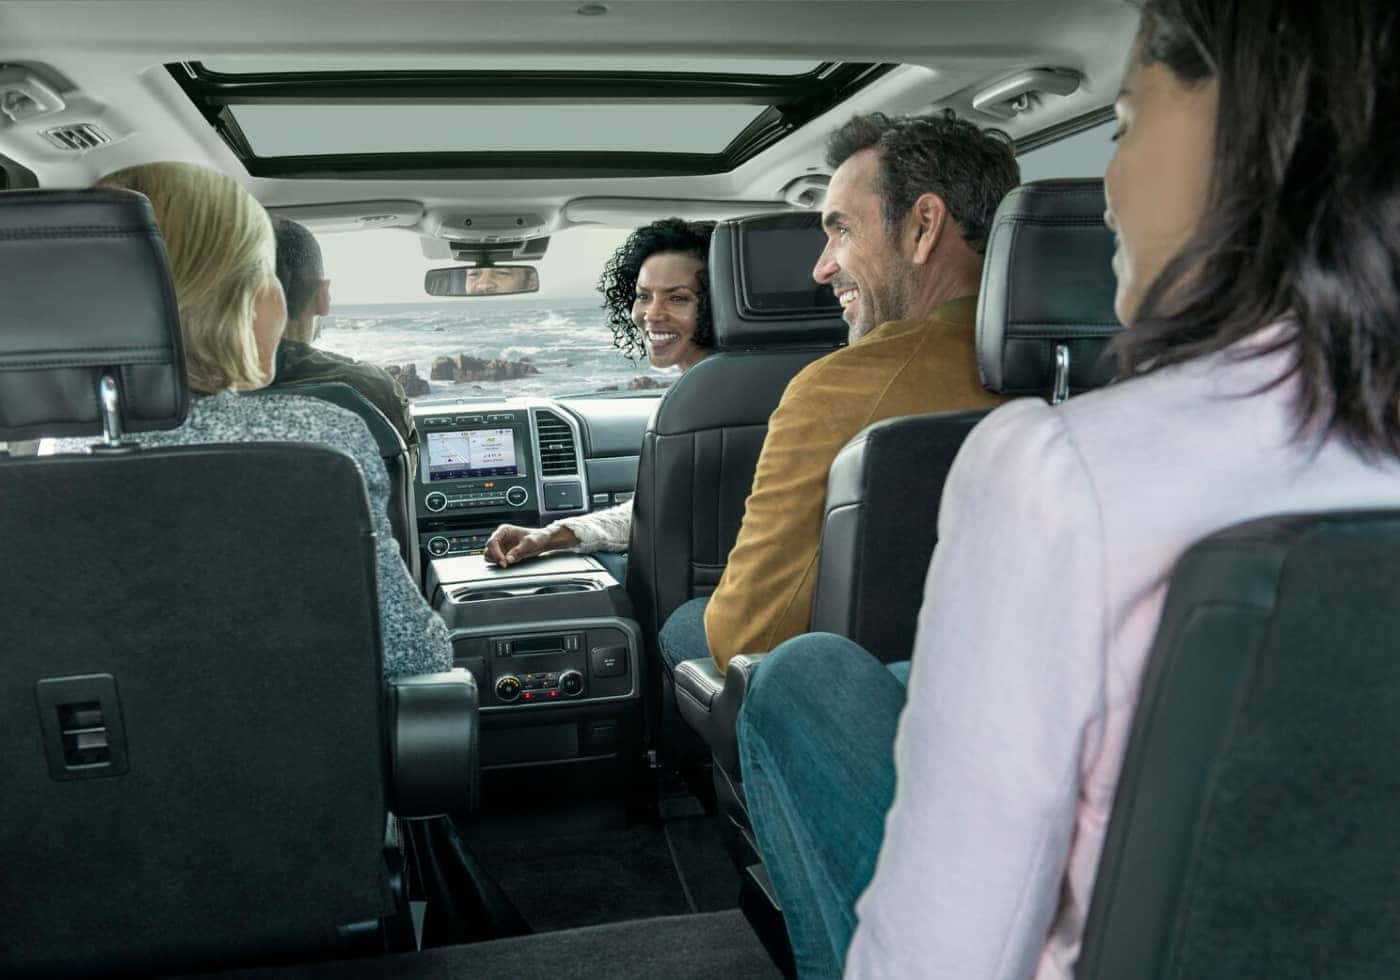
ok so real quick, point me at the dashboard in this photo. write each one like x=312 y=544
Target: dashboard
x=521 y=461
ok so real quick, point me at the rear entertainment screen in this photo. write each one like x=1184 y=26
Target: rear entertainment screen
x=471 y=453
x=778 y=264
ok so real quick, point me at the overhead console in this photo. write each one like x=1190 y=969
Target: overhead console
x=483 y=464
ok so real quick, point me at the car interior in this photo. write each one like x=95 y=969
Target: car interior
x=211 y=784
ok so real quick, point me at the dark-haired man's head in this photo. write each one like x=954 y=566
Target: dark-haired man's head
x=907 y=214
x=303 y=279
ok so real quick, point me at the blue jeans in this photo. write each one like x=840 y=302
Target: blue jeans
x=816 y=747
x=682 y=637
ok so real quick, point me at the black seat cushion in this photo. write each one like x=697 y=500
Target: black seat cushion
x=1253 y=833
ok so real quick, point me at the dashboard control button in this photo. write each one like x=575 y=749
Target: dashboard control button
x=516 y=496
x=508 y=687
x=439 y=546
x=607 y=661
x=571 y=683
x=435 y=501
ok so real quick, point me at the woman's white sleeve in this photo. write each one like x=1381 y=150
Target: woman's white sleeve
x=602 y=530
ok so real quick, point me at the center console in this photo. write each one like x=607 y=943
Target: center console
x=484 y=464
x=555 y=653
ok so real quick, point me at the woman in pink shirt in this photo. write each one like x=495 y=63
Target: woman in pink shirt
x=1255 y=195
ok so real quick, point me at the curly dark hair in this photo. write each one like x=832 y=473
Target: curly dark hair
x=971 y=170
x=618 y=283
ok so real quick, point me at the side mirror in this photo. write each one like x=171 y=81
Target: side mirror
x=482 y=280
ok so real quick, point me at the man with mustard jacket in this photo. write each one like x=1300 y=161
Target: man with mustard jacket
x=906 y=216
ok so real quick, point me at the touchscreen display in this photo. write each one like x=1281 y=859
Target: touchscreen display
x=778 y=270
x=473 y=453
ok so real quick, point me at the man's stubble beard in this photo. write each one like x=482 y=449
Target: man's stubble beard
x=890 y=303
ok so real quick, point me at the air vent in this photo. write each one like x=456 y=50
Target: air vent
x=83 y=136
x=557 y=454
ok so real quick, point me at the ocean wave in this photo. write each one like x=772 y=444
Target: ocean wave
x=570 y=346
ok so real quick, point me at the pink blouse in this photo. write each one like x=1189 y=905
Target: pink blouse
x=1057 y=533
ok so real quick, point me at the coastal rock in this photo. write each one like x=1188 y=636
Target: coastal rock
x=443 y=369
x=464 y=368
x=407 y=377
x=641 y=382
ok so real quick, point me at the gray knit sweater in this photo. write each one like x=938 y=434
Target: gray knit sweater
x=414 y=637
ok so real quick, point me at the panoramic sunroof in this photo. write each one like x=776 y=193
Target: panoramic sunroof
x=544 y=118
x=293 y=130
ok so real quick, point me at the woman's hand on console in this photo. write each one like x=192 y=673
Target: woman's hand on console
x=511 y=544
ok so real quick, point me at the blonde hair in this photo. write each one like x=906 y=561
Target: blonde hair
x=222 y=254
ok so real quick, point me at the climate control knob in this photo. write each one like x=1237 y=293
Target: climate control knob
x=438 y=546
x=516 y=496
x=435 y=501
x=508 y=687
x=571 y=683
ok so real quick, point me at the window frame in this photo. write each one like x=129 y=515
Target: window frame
x=791 y=101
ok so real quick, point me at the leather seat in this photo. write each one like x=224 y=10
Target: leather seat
x=1044 y=319
x=185 y=707
x=701 y=448
x=1253 y=832
x=402 y=516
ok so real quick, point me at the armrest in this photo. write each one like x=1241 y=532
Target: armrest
x=434 y=768
x=710 y=701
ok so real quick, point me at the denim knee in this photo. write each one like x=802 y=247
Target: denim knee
x=682 y=636
x=804 y=674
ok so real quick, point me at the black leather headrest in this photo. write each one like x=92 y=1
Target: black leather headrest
x=85 y=289
x=1048 y=282
x=761 y=289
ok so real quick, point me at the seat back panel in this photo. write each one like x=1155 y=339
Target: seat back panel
x=1253 y=832
x=222 y=589
x=883 y=495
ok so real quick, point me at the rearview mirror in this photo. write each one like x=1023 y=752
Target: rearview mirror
x=482 y=280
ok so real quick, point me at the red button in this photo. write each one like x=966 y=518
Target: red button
x=529 y=696
x=554 y=693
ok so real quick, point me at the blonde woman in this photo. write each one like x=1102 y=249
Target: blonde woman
x=232 y=314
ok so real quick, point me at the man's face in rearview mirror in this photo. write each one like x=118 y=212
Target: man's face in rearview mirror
x=491 y=280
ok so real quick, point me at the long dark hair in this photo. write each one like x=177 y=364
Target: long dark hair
x=1304 y=217
x=618 y=283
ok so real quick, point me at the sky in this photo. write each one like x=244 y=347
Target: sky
x=387 y=266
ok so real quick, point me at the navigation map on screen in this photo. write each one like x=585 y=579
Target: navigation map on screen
x=474 y=453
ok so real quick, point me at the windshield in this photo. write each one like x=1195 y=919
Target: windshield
x=554 y=342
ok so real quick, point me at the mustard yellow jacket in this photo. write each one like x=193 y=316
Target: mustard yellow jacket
x=904 y=367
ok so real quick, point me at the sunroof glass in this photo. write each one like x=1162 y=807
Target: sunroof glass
x=610 y=63
x=297 y=130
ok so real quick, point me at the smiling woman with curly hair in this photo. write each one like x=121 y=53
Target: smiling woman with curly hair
x=656 y=293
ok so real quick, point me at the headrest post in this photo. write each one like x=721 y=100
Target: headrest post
x=110 y=396
x=1060 y=391
x=1047 y=288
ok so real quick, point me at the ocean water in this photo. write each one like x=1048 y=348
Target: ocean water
x=568 y=342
